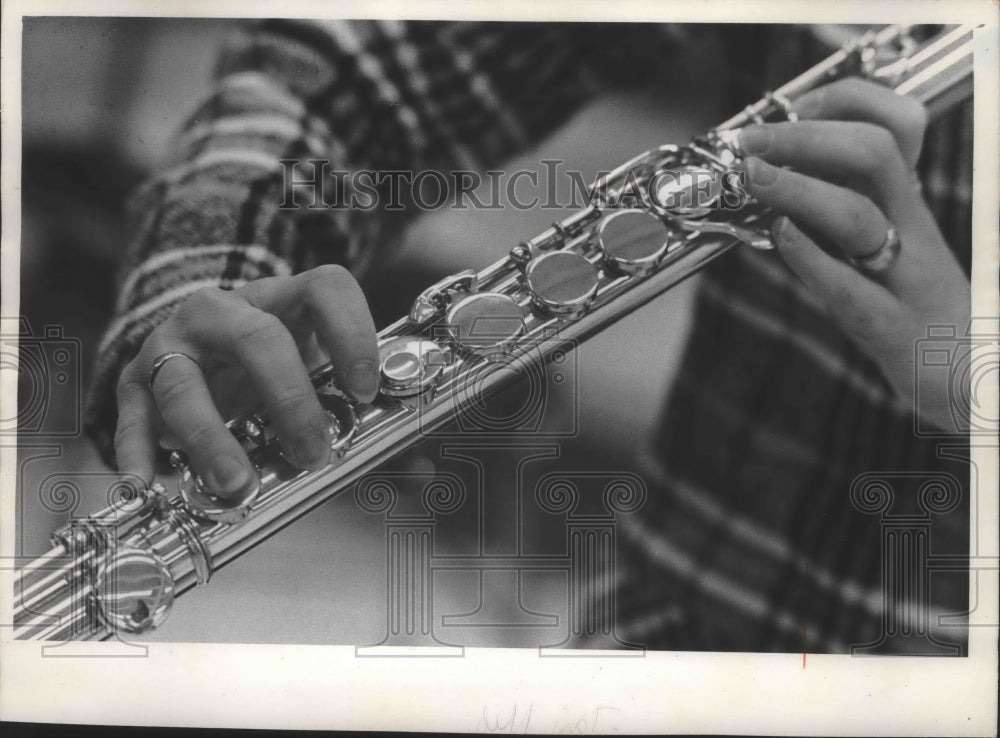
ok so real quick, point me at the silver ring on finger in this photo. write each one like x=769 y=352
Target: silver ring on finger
x=878 y=263
x=162 y=359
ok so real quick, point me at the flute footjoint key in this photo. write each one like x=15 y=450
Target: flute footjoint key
x=121 y=568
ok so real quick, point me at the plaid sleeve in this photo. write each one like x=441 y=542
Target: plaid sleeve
x=361 y=95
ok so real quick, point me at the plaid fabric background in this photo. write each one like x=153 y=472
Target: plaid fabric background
x=748 y=541
x=749 y=531
x=750 y=534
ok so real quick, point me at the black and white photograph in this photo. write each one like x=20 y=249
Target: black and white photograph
x=402 y=367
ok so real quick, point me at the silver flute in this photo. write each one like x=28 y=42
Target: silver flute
x=642 y=232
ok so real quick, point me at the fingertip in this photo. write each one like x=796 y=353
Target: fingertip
x=414 y=472
x=796 y=249
x=411 y=463
x=812 y=104
x=807 y=105
x=756 y=139
x=362 y=381
x=146 y=473
x=140 y=469
x=759 y=172
x=785 y=234
x=136 y=456
x=419 y=464
x=778 y=228
x=229 y=476
x=310 y=448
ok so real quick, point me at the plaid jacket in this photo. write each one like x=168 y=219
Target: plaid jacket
x=748 y=540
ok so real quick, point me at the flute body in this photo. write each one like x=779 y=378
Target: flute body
x=122 y=568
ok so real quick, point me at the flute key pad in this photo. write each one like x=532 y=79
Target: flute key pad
x=632 y=241
x=410 y=365
x=134 y=590
x=204 y=504
x=343 y=419
x=485 y=323
x=562 y=283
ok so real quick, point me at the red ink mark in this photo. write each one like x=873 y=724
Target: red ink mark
x=803 y=643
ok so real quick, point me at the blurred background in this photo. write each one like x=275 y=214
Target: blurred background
x=101 y=99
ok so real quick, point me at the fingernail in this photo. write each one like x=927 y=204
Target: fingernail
x=778 y=230
x=756 y=140
x=760 y=172
x=228 y=475
x=807 y=104
x=362 y=381
x=312 y=448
